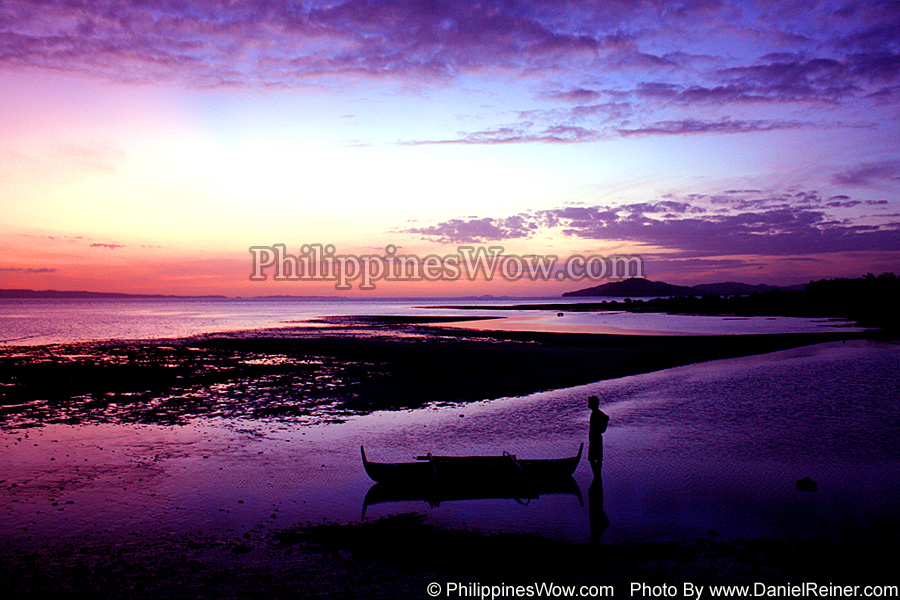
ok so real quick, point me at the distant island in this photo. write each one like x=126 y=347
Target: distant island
x=29 y=294
x=644 y=288
x=293 y=297
x=870 y=300
x=83 y=294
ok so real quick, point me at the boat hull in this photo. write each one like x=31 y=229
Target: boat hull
x=455 y=471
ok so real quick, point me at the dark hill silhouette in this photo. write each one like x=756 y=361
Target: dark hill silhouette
x=869 y=300
x=634 y=288
x=644 y=288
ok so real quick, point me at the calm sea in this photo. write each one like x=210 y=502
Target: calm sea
x=712 y=449
x=53 y=321
x=709 y=450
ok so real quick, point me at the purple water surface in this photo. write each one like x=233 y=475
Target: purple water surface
x=707 y=449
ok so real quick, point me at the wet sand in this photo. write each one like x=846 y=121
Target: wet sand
x=351 y=366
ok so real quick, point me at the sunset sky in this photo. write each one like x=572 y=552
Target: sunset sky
x=145 y=146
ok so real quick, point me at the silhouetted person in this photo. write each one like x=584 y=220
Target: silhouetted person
x=599 y=422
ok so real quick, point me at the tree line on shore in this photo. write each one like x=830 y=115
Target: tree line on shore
x=870 y=301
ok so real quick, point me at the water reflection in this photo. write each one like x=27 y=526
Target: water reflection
x=381 y=493
x=598 y=518
x=718 y=445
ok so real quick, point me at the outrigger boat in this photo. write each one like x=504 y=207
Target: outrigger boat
x=503 y=470
x=437 y=479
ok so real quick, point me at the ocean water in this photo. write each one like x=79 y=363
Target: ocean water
x=705 y=450
x=56 y=321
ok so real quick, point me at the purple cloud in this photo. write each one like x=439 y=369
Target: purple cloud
x=824 y=79
x=869 y=174
x=478 y=230
x=573 y=134
x=576 y=96
x=772 y=232
x=282 y=43
x=77 y=239
x=699 y=225
x=28 y=270
x=555 y=134
x=595 y=67
x=55 y=238
x=692 y=126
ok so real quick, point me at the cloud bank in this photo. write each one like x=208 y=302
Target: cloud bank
x=616 y=67
x=735 y=222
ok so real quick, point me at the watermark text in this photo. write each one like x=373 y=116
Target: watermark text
x=318 y=262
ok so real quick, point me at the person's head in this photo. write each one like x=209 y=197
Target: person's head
x=593 y=402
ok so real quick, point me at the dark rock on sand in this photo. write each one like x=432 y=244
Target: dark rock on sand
x=807 y=485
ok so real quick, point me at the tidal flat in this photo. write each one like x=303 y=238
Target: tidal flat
x=205 y=466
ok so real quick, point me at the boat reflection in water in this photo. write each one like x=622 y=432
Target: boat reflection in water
x=437 y=479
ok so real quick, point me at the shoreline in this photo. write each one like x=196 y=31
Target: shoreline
x=355 y=366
